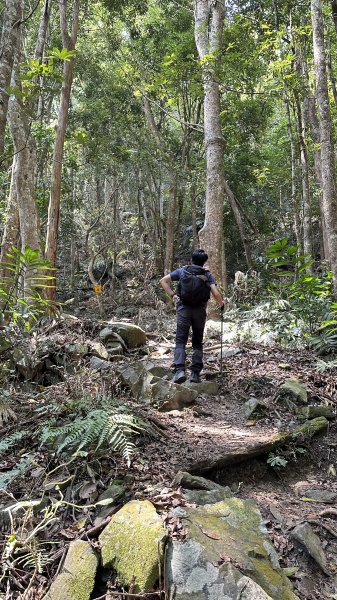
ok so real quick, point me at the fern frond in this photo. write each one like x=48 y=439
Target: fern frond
x=322 y=365
x=34 y=559
x=19 y=469
x=109 y=426
x=11 y=440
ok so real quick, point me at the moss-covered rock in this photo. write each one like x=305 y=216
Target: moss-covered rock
x=320 y=410
x=132 y=335
x=132 y=544
x=292 y=392
x=233 y=531
x=77 y=579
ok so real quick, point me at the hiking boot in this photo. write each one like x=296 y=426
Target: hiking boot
x=179 y=376
x=195 y=377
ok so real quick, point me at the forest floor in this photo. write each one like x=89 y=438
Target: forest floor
x=212 y=426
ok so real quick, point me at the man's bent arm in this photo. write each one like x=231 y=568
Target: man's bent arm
x=216 y=294
x=165 y=284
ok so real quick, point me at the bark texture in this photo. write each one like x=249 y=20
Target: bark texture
x=306 y=207
x=209 y=19
x=23 y=180
x=69 y=42
x=10 y=40
x=170 y=225
x=11 y=232
x=329 y=197
x=240 y=223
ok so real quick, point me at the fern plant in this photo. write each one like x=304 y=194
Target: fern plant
x=9 y=441
x=106 y=426
x=322 y=366
x=20 y=299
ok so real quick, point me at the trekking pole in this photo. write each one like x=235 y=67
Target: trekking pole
x=221 y=345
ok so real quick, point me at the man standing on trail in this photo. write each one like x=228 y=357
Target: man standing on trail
x=195 y=285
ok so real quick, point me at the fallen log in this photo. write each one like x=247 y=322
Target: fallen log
x=242 y=453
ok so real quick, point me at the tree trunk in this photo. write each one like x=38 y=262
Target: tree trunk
x=23 y=180
x=170 y=223
x=235 y=453
x=11 y=232
x=209 y=19
x=69 y=42
x=241 y=227
x=10 y=39
x=193 y=196
x=306 y=208
x=314 y=131
x=329 y=197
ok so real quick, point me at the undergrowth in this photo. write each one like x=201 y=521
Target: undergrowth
x=97 y=424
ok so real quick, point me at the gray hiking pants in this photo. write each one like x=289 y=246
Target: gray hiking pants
x=195 y=317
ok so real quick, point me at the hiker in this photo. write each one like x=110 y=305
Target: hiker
x=195 y=285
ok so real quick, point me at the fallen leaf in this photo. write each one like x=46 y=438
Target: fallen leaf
x=87 y=489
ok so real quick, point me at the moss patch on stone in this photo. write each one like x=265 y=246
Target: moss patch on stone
x=132 y=544
x=77 y=579
x=234 y=528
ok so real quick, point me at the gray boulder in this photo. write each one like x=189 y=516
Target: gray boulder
x=320 y=410
x=194 y=482
x=97 y=349
x=210 y=388
x=97 y=364
x=226 y=541
x=147 y=385
x=304 y=534
x=165 y=395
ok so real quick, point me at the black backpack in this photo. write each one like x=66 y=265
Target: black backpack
x=194 y=288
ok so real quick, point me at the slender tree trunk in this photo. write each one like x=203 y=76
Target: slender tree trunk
x=10 y=39
x=209 y=19
x=140 y=204
x=170 y=225
x=69 y=42
x=314 y=131
x=194 y=215
x=12 y=225
x=307 y=229
x=239 y=221
x=23 y=180
x=329 y=196
x=293 y=175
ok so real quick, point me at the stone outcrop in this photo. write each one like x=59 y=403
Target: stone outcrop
x=227 y=555
x=132 y=544
x=145 y=380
